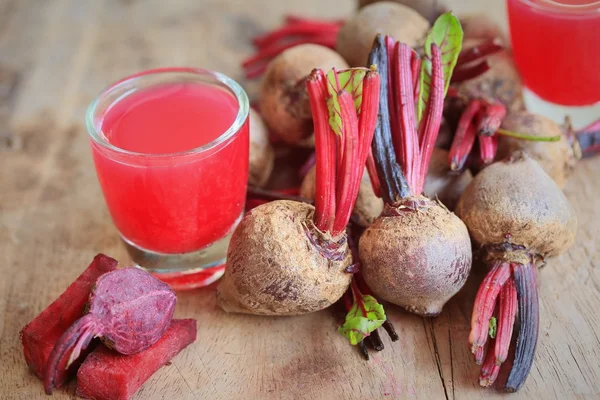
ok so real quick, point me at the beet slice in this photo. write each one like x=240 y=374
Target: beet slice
x=108 y=375
x=41 y=334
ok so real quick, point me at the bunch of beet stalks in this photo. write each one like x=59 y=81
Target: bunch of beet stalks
x=132 y=314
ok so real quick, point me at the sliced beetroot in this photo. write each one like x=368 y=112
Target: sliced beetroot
x=108 y=375
x=42 y=333
x=129 y=310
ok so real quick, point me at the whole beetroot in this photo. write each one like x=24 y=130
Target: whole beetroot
x=287 y=257
x=283 y=98
x=557 y=158
x=262 y=155
x=355 y=38
x=129 y=310
x=416 y=254
x=518 y=215
x=279 y=239
x=429 y=9
x=368 y=205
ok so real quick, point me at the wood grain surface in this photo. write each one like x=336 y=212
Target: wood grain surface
x=56 y=55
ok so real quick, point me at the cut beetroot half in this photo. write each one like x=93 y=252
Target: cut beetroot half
x=108 y=375
x=40 y=335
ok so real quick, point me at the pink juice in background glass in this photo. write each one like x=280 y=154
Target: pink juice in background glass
x=167 y=193
x=556 y=46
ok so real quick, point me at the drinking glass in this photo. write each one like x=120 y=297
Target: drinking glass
x=175 y=212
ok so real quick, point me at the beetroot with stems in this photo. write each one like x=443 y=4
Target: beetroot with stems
x=486 y=90
x=129 y=310
x=286 y=257
x=515 y=211
x=108 y=375
x=417 y=254
x=41 y=334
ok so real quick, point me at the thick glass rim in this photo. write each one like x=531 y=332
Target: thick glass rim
x=240 y=119
x=553 y=6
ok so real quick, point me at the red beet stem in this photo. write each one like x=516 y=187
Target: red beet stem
x=483 y=308
x=506 y=320
x=372 y=170
x=325 y=152
x=304 y=29
x=69 y=346
x=295 y=19
x=393 y=183
x=394 y=117
x=416 y=74
x=593 y=127
x=405 y=108
x=490 y=117
x=589 y=138
x=358 y=298
x=467 y=72
x=479 y=51
x=432 y=117
x=488 y=145
x=489 y=369
x=368 y=114
x=464 y=138
x=527 y=295
x=349 y=173
x=258 y=61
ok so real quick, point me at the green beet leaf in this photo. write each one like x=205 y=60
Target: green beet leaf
x=447 y=34
x=350 y=80
x=357 y=325
x=493 y=327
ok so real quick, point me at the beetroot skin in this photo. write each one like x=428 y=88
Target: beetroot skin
x=108 y=375
x=42 y=333
x=129 y=310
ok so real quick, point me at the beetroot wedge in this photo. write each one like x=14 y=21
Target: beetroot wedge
x=108 y=375
x=40 y=335
x=129 y=311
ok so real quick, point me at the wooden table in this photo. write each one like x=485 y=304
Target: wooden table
x=56 y=55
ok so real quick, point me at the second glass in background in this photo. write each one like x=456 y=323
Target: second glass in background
x=556 y=49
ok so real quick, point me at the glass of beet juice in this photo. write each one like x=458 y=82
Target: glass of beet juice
x=171 y=153
x=556 y=47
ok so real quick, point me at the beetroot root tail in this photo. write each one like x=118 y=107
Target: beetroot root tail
x=489 y=369
x=527 y=297
x=483 y=308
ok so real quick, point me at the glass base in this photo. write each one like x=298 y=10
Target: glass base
x=581 y=116
x=183 y=271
